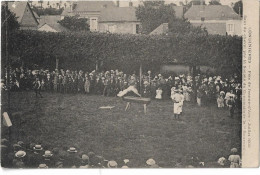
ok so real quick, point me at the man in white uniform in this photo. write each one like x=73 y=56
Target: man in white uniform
x=176 y=98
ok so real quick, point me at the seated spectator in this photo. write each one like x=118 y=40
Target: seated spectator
x=234 y=159
x=112 y=164
x=42 y=166
x=150 y=163
x=48 y=159
x=85 y=161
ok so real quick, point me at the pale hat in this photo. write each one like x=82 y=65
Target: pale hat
x=4 y=141
x=176 y=78
x=112 y=164
x=3 y=147
x=72 y=150
x=221 y=161
x=146 y=82
x=16 y=147
x=38 y=147
x=20 y=154
x=150 y=162
x=59 y=164
x=84 y=157
x=124 y=166
x=159 y=75
x=43 y=166
x=233 y=150
x=126 y=161
x=47 y=153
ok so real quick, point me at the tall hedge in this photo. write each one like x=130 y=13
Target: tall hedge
x=80 y=50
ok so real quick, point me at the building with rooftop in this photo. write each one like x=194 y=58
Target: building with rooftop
x=217 y=19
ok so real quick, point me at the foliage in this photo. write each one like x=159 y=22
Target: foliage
x=79 y=50
x=74 y=23
x=183 y=26
x=9 y=20
x=47 y=11
x=154 y=13
x=194 y=2
x=214 y=2
x=238 y=7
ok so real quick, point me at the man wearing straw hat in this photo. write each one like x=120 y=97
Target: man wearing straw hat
x=35 y=158
x=48 y=159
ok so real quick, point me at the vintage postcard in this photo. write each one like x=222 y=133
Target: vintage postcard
x=130 y=84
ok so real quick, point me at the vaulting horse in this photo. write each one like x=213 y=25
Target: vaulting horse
x=130 y=99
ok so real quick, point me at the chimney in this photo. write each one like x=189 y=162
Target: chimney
x=117 y=3
x=130 y=4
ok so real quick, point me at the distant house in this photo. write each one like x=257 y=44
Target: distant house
x=49 y=23
x=88 y=9
x=162 y=29
x=47 y=27
x=118 y=20
x=50 y=19
x=25 y=16
x=217 y=19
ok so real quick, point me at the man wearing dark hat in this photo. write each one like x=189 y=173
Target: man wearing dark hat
x=36 y=157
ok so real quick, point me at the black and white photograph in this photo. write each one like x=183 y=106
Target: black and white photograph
x=121 y=84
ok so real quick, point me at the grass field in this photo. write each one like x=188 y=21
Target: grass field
x=76 y=120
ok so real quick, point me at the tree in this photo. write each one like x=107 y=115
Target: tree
x=183 y=26
x=9 y=19
x=154 y=13
x=74 y=23
x=238 y=8
x=214 y=2
x=47 y=11
x=9 y=24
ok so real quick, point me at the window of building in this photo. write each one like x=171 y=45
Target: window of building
x=137 y=28
x=230 y=27
x=93 y=24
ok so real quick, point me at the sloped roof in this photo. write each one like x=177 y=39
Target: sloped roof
x=117 y=14
x=18 y=8
x=88 y=6
x=213 y=28
x=35 y=14
x=162 y=29
x=211 y=12
x=50 y=19
x=55 y=26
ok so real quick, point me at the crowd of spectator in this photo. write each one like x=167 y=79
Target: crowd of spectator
x=109 y=83
x=30 y=155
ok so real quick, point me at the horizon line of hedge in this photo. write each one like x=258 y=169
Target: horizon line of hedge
x=85 y=48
